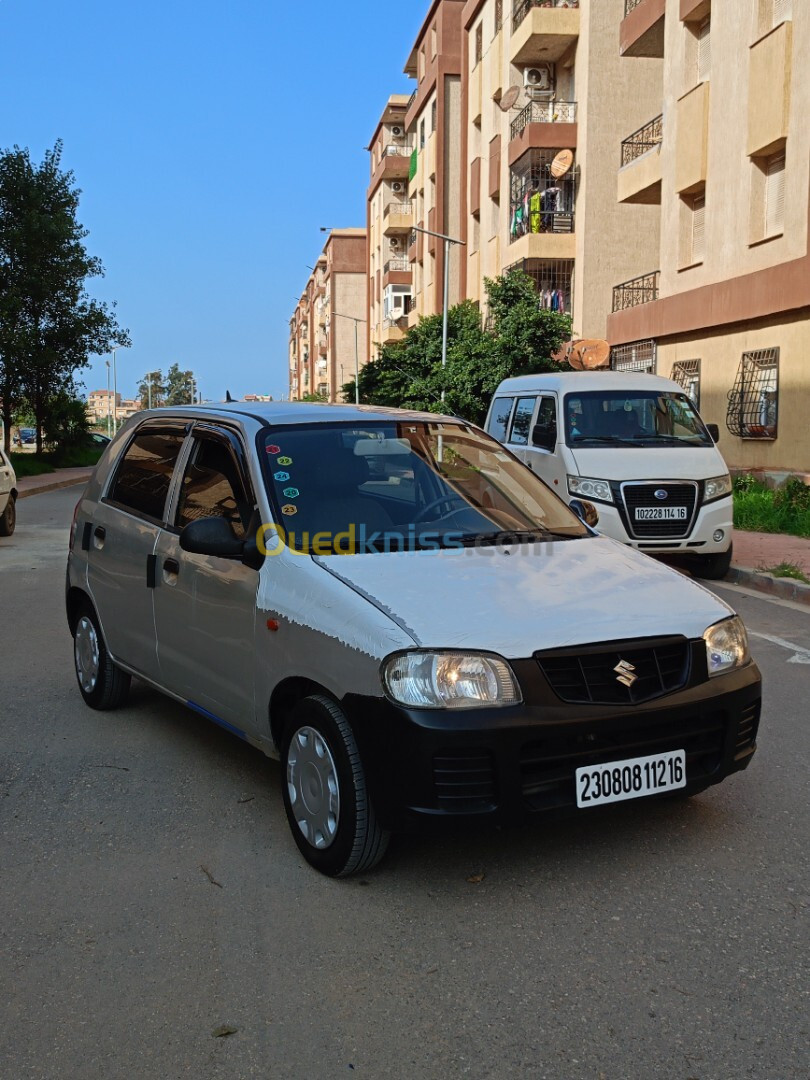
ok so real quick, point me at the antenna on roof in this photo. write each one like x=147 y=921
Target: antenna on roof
x=228 y=396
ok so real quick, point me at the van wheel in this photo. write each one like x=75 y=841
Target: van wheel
x=8 y=519
x=325 y=794
x=715 y=567
x=102 y=683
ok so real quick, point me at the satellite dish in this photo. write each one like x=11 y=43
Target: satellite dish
x=510 y=98
x=589 y=354
x=562 y=163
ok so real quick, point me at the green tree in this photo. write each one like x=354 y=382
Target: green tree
x=65 y=423
x=180 y=386
x=315 y=397
x=152 y=388
x=49 y=326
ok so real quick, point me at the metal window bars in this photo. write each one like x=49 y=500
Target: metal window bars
x=551 y=277
x=630 y=5
x=498 y=15
x=753 y=401
x=539 y=202
x=635 y=356
x=686 y=373
x=544 y=112
x=644 y=139
x=640 y=290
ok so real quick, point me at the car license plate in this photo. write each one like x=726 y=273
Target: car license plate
x=630 y=779
x=660 y=513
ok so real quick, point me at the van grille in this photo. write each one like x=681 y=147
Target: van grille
x=638 y=496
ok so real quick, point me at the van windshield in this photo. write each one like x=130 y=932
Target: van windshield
x=633 y=418
x=404 y=486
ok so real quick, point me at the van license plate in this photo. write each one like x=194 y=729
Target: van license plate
x=660 y=513
x=630 y=779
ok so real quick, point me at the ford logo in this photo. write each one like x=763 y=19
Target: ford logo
x=661 y=494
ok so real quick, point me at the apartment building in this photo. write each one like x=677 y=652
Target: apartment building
x=105 y=406
x=723 y=304
x=547 y=100
x=327 y=340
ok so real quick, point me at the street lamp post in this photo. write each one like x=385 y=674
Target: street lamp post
x=113 y=350
x=448 y=242
x=107 y=362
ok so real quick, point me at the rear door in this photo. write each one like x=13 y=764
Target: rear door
x=121 y=540
x=499 y=416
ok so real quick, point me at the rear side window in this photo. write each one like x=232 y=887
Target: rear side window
x=145 y=473
x=212 y=487
x=499 y=420
x=522 y=419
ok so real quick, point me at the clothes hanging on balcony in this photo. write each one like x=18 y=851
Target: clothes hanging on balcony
x=551 y=204
x=534 y=212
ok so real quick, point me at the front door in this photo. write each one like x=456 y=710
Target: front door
x=205 y=606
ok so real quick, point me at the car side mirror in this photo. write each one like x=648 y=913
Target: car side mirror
x=211 y=536
x=585 y=511
x=714 y=431
x=544 y=437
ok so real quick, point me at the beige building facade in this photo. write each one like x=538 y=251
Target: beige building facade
x=723 y=304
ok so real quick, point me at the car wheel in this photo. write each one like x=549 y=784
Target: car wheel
x=8 y=519
x=102 y=683
x=325 y=794
x=715 y=567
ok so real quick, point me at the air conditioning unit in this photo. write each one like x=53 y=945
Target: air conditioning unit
x=394 y=243
x=397 y=131
x=398 y=187
x=539 y=78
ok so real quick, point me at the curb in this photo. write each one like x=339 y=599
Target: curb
x=784 y=588
x=40 y=490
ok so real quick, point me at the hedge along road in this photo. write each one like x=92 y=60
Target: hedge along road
x=156 y=919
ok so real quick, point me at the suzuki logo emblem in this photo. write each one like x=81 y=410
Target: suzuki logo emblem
x=625 y=673
x=661 y=494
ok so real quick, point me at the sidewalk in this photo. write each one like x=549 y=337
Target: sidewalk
x=59 y=478
x=754 y=551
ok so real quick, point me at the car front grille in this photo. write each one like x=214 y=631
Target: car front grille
x=464 y=780
x=548 y=765
x=642 y=496
x=591 y=675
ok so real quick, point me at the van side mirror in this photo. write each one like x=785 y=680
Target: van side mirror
x=544 y=437
x=714 y=431
x=585 y=511
x=211 y=536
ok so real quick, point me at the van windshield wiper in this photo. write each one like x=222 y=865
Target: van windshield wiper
x=600 y=438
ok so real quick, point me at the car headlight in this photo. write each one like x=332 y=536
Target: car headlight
x=716 y=488
x=726 y=646
x=450 y=680
x=586 y=488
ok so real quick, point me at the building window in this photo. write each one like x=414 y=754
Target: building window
x=434 y=115
x=775 y=195
x=422 y=134
x=539 y=201
x=686 y=373
x=479 y=42
x=433 y=42
x=704 y=50
x=637 y=356
x=553 y=279
x=698 y=229
x=753 y=402
x=475 y=238
x=782 y=10
x=498 y=15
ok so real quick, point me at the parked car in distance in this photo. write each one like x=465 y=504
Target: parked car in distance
x=635 y=446
x=391 y=604
x=28 y=436
x=8 y=496
x=97 y=439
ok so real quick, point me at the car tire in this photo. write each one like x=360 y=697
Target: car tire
x=102 y=684
x=715 y=567
x=8 y=519
x=325 y=793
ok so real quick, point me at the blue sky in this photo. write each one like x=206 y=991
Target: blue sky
x=210 y=140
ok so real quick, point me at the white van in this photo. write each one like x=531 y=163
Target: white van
x=634 y=445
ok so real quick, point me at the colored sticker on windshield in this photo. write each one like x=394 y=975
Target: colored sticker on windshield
x=291 y=493
x=282 y=477
x=284 y=461
x=288 y=509
x=274 y=449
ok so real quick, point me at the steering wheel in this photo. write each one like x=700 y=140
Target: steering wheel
x=442 y=499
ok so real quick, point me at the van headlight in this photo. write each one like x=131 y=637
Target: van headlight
x=716 y=488
x=450 y=680
x=586 y=488
x=726 y=646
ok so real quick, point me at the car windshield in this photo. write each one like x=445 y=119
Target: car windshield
x=608 y=418
x=404 y=486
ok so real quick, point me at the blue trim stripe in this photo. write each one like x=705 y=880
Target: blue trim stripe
x=222 y=723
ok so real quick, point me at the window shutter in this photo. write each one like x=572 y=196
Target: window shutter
x=698 y=228
x=782 y=10
x=704 y=50
x=775 y=196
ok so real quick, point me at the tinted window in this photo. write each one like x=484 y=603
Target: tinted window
x=498 y=421
x=142 y=481
x=212 y=487
x=522 y=419
x=547 y=417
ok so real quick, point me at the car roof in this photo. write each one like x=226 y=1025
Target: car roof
x=566 y=381
x=298 y=412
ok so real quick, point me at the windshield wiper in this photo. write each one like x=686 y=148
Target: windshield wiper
x=659 y=436
x=518 y=535
x=599 y=438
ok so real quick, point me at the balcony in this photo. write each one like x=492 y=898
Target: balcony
x=541 y=208
x=397 y=218
x=401 y=264
x=394 y=329
x=640 y=174
x=640 y=290
x=542 y=34
x=544 y=112
x=641 y=32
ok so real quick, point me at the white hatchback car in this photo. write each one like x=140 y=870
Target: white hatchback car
x=8 y=496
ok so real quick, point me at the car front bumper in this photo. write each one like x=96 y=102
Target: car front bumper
x=504 y=765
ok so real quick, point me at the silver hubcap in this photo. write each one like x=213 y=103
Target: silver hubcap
x=312 y=784
x=85 y=650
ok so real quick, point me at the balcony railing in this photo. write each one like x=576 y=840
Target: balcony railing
x=544 y=112
x=643 y=140
x=522 y=8
x=630 y=5
x=411 y=99
x=398 y=208
x=397 y=321
x=410 y=305
x=401 y=264
x=397 y=149
x=640 y=290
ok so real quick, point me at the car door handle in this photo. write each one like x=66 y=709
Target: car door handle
x=171 y=568
x=99 y=536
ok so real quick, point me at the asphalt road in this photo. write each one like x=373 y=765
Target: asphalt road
x=150 y=893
